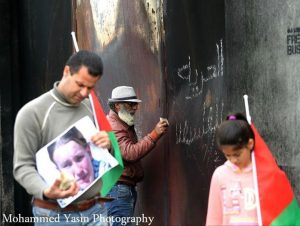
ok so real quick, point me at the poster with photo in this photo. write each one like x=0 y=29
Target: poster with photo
x=74 y=155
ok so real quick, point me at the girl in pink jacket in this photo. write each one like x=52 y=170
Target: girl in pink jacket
x=232 y=199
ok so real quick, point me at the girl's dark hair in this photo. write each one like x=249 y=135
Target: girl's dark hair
x=235 y=130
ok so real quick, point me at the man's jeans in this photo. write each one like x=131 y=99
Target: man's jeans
x=123 y=204
x=94 y=216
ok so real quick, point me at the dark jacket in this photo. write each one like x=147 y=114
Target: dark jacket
x=132 y=150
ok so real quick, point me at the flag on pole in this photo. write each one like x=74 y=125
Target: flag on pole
x=111 y=176
x=278 y=204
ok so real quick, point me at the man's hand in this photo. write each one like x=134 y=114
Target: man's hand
x=161 y=127
x=101 y=139
x=54 y=192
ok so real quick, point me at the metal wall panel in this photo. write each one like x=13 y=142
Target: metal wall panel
x=263 y=61
x=205 y=56
x=7 y=38
x=126 y=33
x=35 y=43
x=131 y=38
x=195 y=62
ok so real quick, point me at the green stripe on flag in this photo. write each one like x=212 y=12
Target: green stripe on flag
x=289 y=216
x=117 y=152
x=112 y=176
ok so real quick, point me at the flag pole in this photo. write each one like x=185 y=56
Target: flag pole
x=247 y=109
x=255 y=180
x=90 y=96
x=74 y=41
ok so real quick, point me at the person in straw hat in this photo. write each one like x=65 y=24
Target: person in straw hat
x=124 y=104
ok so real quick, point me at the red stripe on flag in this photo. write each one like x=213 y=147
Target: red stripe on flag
x=111 y=176
x=275 y=191
x=100 y=116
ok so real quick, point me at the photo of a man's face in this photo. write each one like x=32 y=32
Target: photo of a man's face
x=71 y=154
x=72 y=157
x=75 y=159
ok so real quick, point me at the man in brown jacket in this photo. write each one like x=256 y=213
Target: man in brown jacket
x=123 y=104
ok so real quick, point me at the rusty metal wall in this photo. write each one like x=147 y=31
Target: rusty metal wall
x=195 y=62
x=127 y=34
x=159 y=47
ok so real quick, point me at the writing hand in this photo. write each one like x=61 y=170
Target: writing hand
x=161 y=127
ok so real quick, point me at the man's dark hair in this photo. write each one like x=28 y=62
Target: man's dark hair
x=112 y=106
x=91 y=60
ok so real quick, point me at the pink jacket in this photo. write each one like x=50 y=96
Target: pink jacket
x=132 y=150
x=232 y=197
